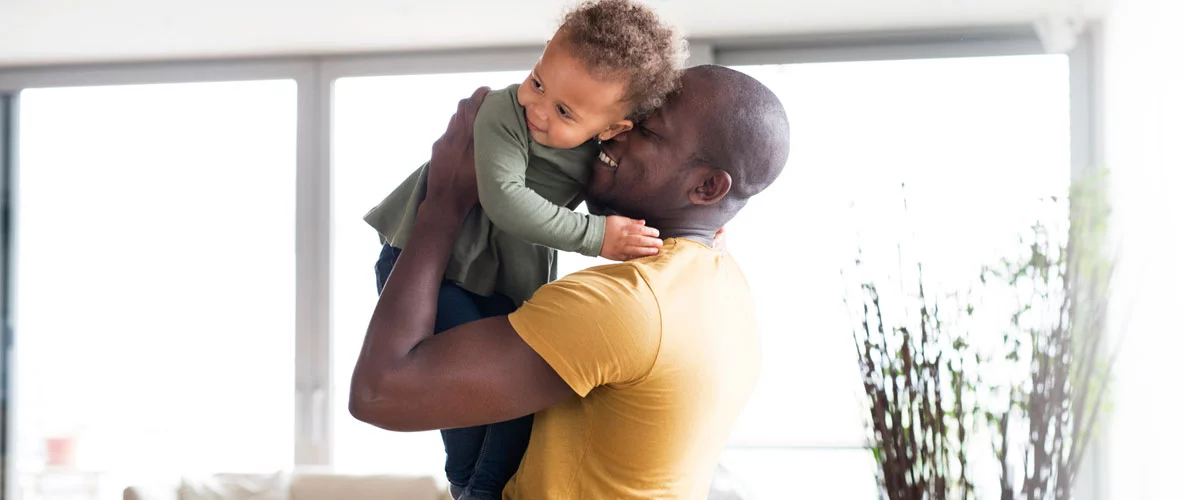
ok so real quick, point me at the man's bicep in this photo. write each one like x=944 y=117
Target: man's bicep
x=477 y=373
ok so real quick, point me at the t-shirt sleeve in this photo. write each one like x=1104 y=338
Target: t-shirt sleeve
x=597 y=327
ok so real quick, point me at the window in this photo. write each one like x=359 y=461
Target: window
x=975 y=142
x=964 y=136
x=155 y=289
x=155 y=277
x=383 y=130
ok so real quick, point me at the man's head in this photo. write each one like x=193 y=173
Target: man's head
x=693 y=164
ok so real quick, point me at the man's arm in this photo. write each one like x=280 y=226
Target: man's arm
x=478 y=373
x=406 y=378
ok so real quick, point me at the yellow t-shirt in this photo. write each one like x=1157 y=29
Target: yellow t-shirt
x=663 y=352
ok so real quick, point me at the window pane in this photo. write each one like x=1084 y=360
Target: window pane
x=975 y=143
x=155 y=283
x=383 y=129
x=570 y=262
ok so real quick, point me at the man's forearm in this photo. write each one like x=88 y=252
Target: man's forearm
x=405 y=312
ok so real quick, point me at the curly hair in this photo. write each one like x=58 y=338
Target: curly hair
x=624 y=39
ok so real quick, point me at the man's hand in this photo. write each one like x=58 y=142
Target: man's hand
x=626 y=239
x=452 y=182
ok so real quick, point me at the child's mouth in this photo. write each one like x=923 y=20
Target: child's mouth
x=533 y=127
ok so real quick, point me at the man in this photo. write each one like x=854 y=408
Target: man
x=637 y=370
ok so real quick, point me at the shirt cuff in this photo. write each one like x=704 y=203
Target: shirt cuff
x=593 y=239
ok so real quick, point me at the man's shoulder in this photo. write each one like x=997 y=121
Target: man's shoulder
x=638 y=281
x=676 y=256
x=617 y=279
x=598 y=326
x=597 y=295
x=690 y=278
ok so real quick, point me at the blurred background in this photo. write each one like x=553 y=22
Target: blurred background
x=188 y=278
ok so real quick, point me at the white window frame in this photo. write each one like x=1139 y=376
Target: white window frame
x=315 y=76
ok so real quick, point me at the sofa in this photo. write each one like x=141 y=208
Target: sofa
x=292 y=486
x=321 y=486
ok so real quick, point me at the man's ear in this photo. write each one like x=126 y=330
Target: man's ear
x=716 y=184
x=615 y=130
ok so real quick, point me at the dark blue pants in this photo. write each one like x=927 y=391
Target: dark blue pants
x=480 y=459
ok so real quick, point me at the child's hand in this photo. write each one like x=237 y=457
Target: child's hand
x=626 y=239
x=719 y=241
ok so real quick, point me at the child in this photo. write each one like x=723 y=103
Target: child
x=610 y=63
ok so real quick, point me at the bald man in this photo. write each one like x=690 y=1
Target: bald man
x=636 y=371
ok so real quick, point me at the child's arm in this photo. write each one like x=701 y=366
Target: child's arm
x=501 y=158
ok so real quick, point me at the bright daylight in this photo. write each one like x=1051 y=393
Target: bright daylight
x=599 y=249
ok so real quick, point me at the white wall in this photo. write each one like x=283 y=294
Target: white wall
x=1152 y=104
x=58 y=31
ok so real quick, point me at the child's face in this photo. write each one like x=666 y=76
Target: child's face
x=565 y=106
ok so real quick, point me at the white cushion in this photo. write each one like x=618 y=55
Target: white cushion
x=236 y=487
x=342 y=487
x=298 y=486
x=152 y=492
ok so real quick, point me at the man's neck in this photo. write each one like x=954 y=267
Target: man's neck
x=671 y=225
x=695 y=232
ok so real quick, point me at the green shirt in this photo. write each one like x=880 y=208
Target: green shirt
x=528 y=194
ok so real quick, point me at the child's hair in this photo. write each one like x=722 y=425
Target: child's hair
x=624 y=39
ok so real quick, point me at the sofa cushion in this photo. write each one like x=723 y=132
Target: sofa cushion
x=343 y=487
x=164 y=491
x=236 y=487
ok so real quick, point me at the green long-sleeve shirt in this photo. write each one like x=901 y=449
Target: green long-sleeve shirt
x=527 y=192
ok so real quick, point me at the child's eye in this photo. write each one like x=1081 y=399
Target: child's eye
x=563 y=111
x=536 y=84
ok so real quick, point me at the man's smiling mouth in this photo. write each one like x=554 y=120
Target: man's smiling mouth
x=607 y=159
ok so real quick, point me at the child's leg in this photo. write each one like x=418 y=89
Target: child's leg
x=383 y=266
x=455 y=307
x=505 y=442
x=503 y=448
